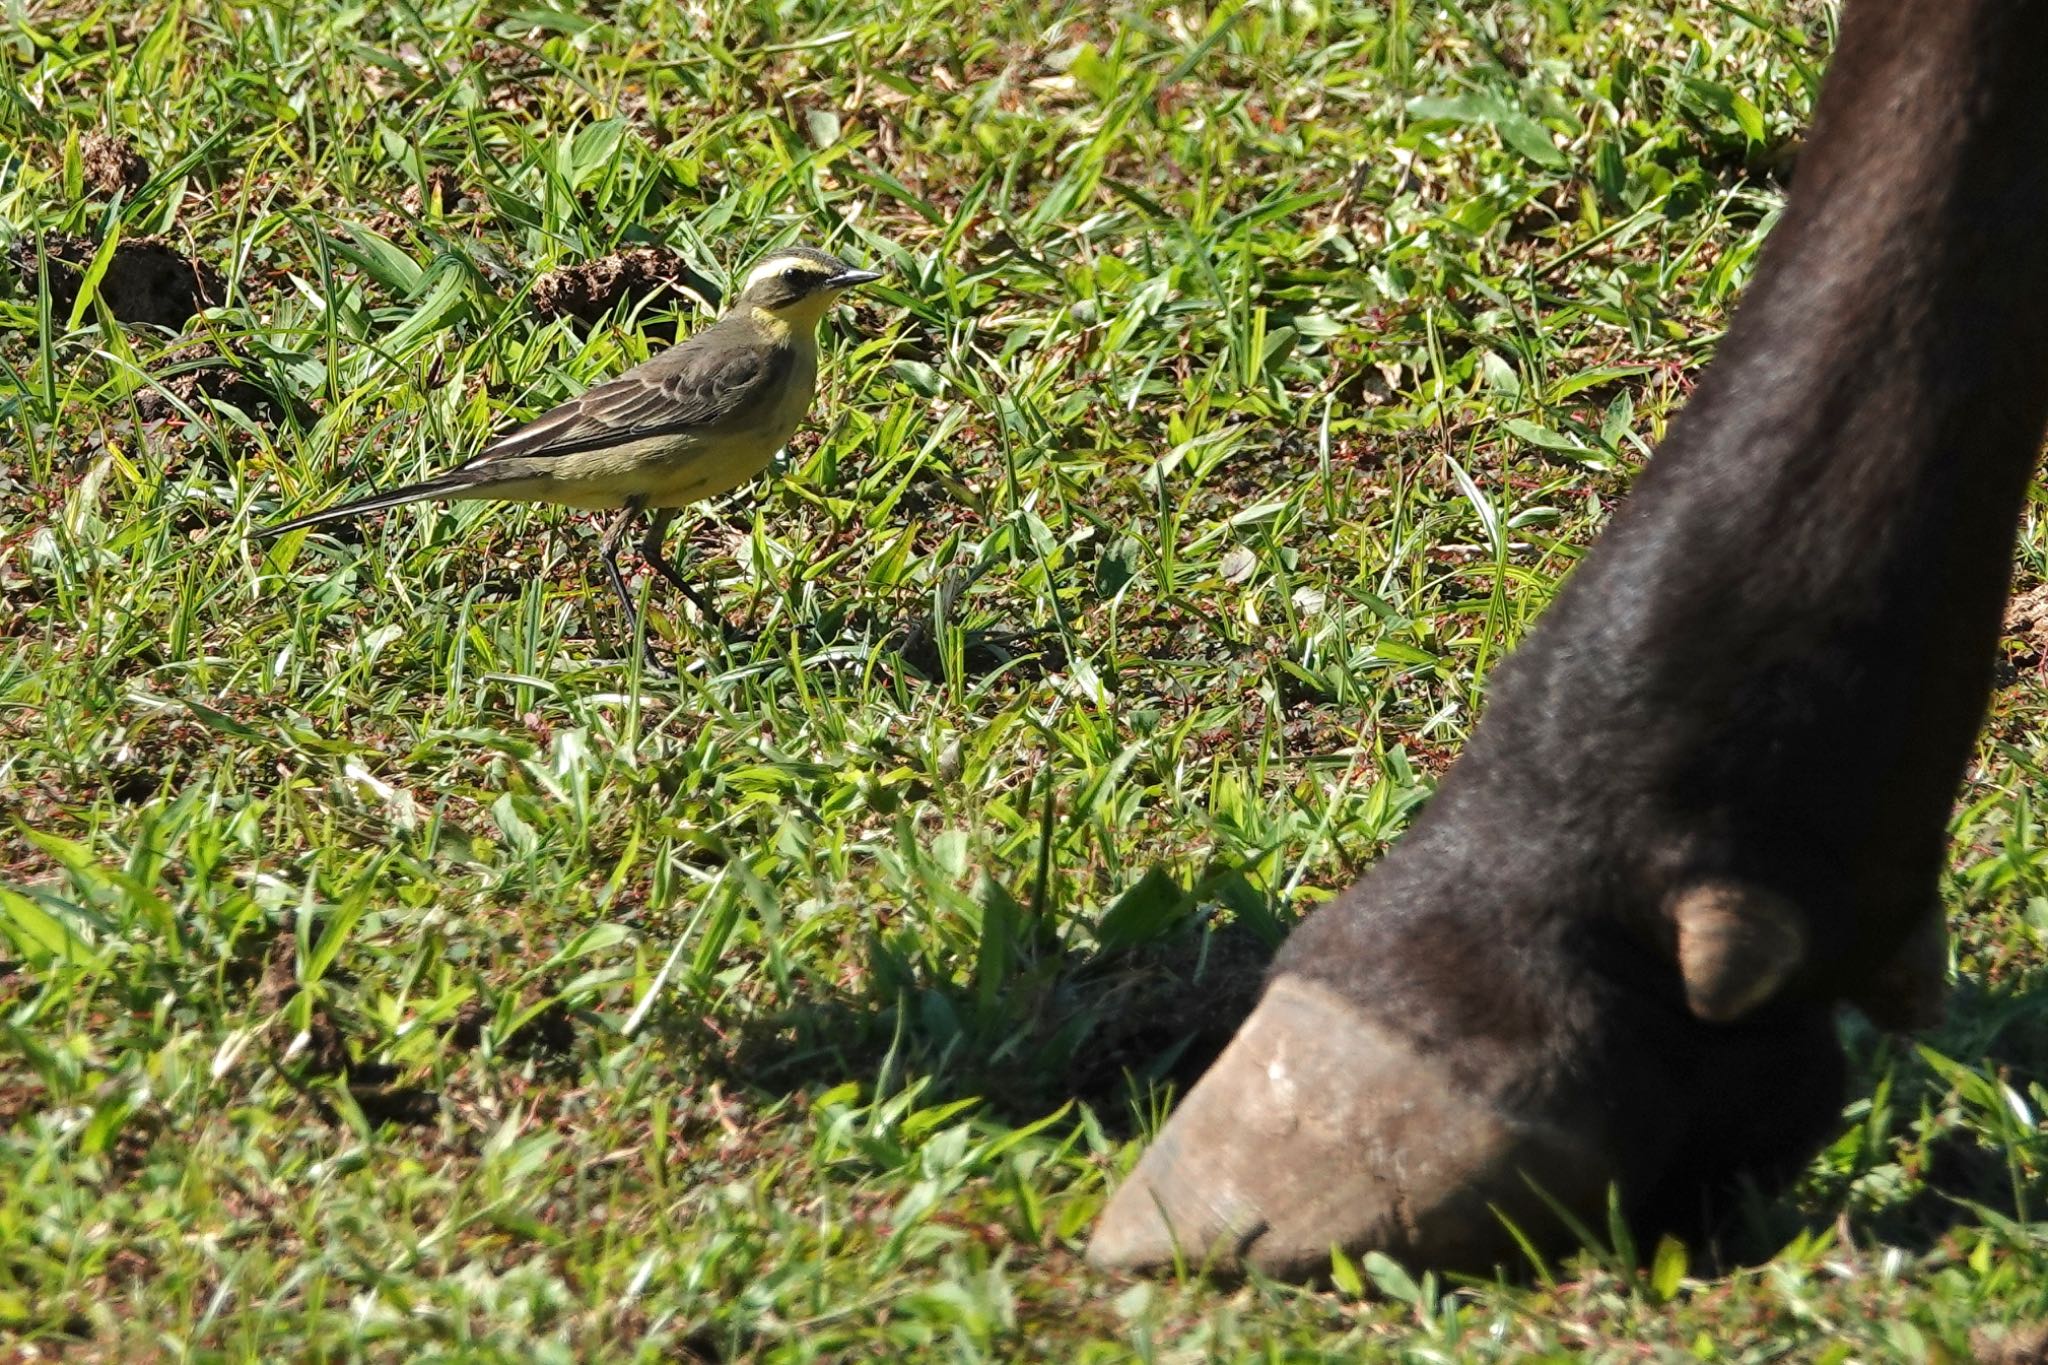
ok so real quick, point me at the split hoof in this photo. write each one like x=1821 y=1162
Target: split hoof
x=1319 y=1128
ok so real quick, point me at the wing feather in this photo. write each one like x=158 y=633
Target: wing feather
x=690 y=386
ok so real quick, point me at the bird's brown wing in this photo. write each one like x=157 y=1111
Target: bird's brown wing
x=693 y=385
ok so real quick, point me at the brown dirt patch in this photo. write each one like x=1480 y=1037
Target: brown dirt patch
x=197 y=371
x=374 y=1086
x=2027 y=1345
x=589 y=291
x=112 y=165
x=147 y=281
x=2026 y=626
x=549 y=1036
x=442 y=193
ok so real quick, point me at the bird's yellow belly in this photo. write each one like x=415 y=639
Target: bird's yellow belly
x=688 y=472
x=660 y=471
x=734 y=457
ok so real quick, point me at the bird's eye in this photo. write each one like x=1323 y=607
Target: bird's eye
x=793 y=275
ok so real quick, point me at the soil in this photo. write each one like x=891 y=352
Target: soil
x=443 y=193
x=148 y=280
x=2024 y=1345
x=589 y=291
x=2026 y=626
x=112 y=165
x=206 y=372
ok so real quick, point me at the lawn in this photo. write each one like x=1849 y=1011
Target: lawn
x=403 y=957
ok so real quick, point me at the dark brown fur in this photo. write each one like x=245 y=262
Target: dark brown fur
x=1773 y=665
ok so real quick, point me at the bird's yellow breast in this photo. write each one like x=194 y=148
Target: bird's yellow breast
x=718 y=462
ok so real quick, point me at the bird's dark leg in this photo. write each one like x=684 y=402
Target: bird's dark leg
x=650 y=550
x=609 y=551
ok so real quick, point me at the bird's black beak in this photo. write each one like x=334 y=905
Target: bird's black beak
x=847 y=279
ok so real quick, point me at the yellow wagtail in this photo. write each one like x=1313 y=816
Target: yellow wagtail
x=697 y=420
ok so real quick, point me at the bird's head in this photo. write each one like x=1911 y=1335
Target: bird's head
x=794 y=286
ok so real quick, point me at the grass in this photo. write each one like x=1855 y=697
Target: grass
x=397 y=972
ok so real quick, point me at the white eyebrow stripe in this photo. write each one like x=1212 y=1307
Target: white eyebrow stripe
x=775 y=265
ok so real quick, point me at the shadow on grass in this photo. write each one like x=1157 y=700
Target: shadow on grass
x=1105 y=1029
x=1918 y=1156
x=1933 y=1144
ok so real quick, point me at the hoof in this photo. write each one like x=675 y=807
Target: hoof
x=1319 y=1128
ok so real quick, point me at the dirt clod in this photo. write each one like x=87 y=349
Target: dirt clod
x=407 y=1106
x=195 y=371
x=112 y=164
x=589 y=291
x=147 y=281
x=549 y=1035
x=442 y=193
x=2026 y=625
x=2024 y=1345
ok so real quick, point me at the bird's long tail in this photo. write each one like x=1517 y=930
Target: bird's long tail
x=441 y=486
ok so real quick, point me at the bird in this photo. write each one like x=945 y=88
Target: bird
x=697 y=420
